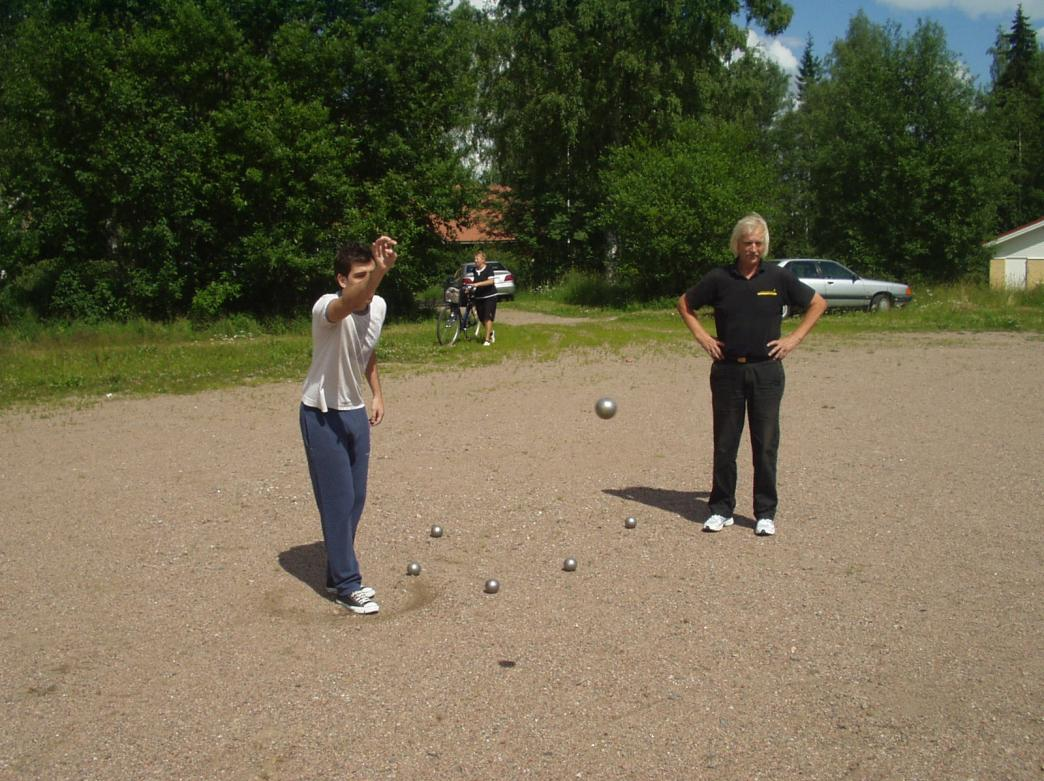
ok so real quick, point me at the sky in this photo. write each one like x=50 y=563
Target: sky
x=970 y=26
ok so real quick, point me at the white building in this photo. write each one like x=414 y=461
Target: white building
x=1018 y=257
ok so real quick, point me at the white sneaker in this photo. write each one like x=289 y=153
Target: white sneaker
x=766 y=527
x=716 y=523
x=486 y=344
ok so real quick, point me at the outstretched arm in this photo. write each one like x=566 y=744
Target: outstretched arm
x=360 y=287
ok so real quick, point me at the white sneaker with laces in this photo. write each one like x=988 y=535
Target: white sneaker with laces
x=716 y=523
x=766 y=527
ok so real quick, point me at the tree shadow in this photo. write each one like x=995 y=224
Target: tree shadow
x=307 y=563
x=690 y=505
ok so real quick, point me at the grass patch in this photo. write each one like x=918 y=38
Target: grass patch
x=45 y=365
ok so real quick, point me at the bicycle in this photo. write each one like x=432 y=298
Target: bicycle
x=456 y=315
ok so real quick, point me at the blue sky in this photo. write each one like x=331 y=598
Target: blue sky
x=970 y=25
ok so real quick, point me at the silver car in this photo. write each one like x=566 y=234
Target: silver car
x=843 y=288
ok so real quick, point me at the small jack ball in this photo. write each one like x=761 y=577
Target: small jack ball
x=631 y=522
x=492 y=586
x=413 y=569
x=436 y=531
x=605 y=408
x=569 y=565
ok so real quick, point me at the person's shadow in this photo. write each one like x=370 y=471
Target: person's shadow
x=690 y=505
x=307 y=563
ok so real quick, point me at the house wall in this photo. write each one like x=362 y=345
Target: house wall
x=1017 y=273
x=997 y=272
x=1034 y=272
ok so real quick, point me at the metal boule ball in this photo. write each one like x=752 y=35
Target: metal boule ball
x=413 y=569
x=631 y=522
x=492 y=586
x=569 y=565
x=605 y=408
x=436 y=531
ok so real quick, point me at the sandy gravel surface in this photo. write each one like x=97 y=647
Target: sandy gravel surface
x=163 y=614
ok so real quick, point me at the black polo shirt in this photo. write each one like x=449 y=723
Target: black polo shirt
x=748 y=312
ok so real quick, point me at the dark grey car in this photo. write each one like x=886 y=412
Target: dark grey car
x=842 y=287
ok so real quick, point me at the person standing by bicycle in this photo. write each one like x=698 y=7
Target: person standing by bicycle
x=485 y=296
x=334 y=425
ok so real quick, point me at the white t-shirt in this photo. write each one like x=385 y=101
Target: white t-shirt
x=340 y=352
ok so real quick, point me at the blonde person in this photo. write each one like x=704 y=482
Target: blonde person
x=747 y=374
x=485 y=296
x=335 y=427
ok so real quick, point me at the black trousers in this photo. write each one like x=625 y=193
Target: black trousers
x=754 y=390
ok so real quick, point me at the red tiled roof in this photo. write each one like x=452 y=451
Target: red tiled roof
x=481 y=225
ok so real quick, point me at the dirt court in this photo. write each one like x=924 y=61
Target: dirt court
x=163 y=614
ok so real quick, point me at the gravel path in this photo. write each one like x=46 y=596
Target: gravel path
x=164 y=614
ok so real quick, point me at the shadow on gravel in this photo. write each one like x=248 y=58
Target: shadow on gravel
x=690 y=505
x=307 y=563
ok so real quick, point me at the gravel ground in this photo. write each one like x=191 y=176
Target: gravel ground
x=164 y=613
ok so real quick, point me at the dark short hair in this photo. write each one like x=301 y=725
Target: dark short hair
x=349 y=254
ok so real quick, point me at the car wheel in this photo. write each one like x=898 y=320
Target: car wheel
x=882 y=302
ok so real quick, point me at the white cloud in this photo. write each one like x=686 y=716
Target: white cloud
x=973 y=8
x=775 y=50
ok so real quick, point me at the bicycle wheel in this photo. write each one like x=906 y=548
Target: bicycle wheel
x=447 y=325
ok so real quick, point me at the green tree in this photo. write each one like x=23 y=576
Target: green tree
x=671 y=205
x=1016 y=108
x=903 y=175
x=192 y=156
x=572 y=79
x=793 y=149
x=810 y=70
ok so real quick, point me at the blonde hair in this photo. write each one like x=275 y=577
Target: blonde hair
x=751 y=223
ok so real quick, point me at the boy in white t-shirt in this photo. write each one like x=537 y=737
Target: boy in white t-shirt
x=334 y=425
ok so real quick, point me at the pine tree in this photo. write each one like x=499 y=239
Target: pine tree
x=1016 y=104
x=1020 y=52
x=810 y=71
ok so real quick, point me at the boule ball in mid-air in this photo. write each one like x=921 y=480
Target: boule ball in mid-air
x=413 y=569
x=436 y=531
x=605 y=408
x=492 y=586
x=631 y=522
x=569 y=565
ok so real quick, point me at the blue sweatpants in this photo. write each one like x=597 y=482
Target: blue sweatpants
x=337 y=445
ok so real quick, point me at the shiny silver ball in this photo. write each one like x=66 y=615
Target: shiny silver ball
x=436 y=531
x=413 y=569
x=569 y=565
x=605 y=408
x=492 y=586
x=631 y=522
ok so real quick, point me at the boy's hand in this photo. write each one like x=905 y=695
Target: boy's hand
x=383 y=251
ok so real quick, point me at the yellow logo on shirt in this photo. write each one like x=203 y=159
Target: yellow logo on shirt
x=767 y=293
